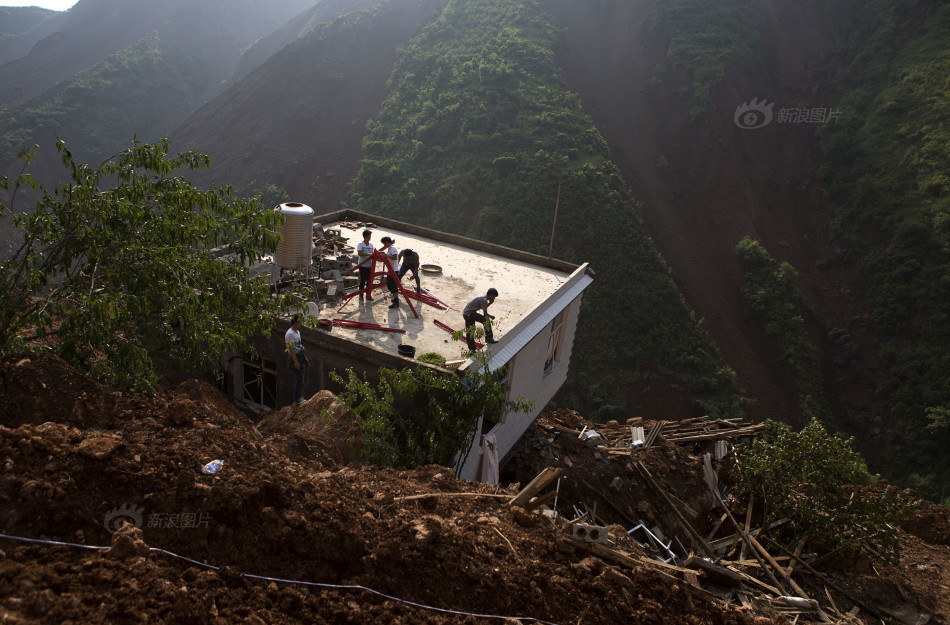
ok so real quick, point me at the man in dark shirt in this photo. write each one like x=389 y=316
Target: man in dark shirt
x=470 y=314
x=410 y=261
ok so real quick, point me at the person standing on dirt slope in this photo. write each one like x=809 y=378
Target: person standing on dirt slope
x=470 y=314
x=410 y=261
x=298 y=356
x=392 y=256
x=364 y=249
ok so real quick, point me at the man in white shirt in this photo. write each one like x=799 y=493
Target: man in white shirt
x=392 y=255
x=364 y=249
x=298 y=356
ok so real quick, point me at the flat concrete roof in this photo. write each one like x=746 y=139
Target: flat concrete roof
x=466 y=272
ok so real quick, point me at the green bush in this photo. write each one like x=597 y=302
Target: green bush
x=419 y=416
x=120 y=265
x=432 y=358
x=802 y=476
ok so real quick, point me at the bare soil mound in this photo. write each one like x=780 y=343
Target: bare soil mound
x=272 y=537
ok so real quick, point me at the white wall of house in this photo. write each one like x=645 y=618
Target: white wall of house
x=536 y=372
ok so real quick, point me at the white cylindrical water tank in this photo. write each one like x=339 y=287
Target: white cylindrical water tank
x=295 y=250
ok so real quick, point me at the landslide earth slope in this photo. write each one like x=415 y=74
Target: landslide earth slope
x=76 y=456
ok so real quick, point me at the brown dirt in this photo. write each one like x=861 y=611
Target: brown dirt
x=75 y=462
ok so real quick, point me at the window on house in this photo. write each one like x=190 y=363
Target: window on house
x=260 y=381
x=555 y=339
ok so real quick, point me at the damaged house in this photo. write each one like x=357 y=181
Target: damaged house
x=536 y=314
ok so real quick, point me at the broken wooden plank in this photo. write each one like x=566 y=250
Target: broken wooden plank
x=694 y=536
x=536 y=485
x=864 y=606
x=777 y=567
x=715 y=573
x=745 y=537
x=745 y=576
x=539 y=500
x=429 y=495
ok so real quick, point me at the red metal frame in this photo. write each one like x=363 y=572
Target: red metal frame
x=378 y=256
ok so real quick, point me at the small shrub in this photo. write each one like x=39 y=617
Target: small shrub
x=802 y=476
x=432 y=358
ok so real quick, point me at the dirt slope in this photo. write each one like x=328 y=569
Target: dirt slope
x=77 y=458
x=98 y=455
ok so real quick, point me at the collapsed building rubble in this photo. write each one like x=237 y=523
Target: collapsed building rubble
x=683 y=524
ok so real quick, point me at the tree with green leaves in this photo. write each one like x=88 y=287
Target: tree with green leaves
x=808 y=478
x=420 y=415
x=128 y=260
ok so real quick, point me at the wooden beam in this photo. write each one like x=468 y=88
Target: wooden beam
x=536 y=485
x=694 y=536
x=430 y=495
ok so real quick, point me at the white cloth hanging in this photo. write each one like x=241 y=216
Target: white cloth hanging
x=489 y=453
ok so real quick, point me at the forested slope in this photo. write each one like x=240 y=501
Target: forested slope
x=116 y=70
x=887 y=175
x=480 y=136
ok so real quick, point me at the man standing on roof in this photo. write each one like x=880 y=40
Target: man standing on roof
x=392 y=256
x=410 y=261
x=298 y=356
x=471 y=315
x=364 y=250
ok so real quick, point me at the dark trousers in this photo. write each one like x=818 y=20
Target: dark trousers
x=299 y=375
x=393 y=288
x=415 y=274
x=364 y=280
x=470 y=320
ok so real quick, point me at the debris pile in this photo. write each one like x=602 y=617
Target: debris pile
x=657 y=482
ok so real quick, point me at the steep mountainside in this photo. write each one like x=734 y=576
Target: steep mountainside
x=120 y=69
x=22 y=27
x=296 y=122
x=300 y=26
x=705 y=184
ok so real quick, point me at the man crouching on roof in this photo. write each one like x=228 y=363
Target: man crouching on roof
x=471 y=315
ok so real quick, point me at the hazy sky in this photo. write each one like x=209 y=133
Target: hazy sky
x=57 y=5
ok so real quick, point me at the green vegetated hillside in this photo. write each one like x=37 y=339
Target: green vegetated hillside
x=145 y=67
x=140 y=91
x=21 y=28
x=887 y=174
x=476 y=137
x=704 y=38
